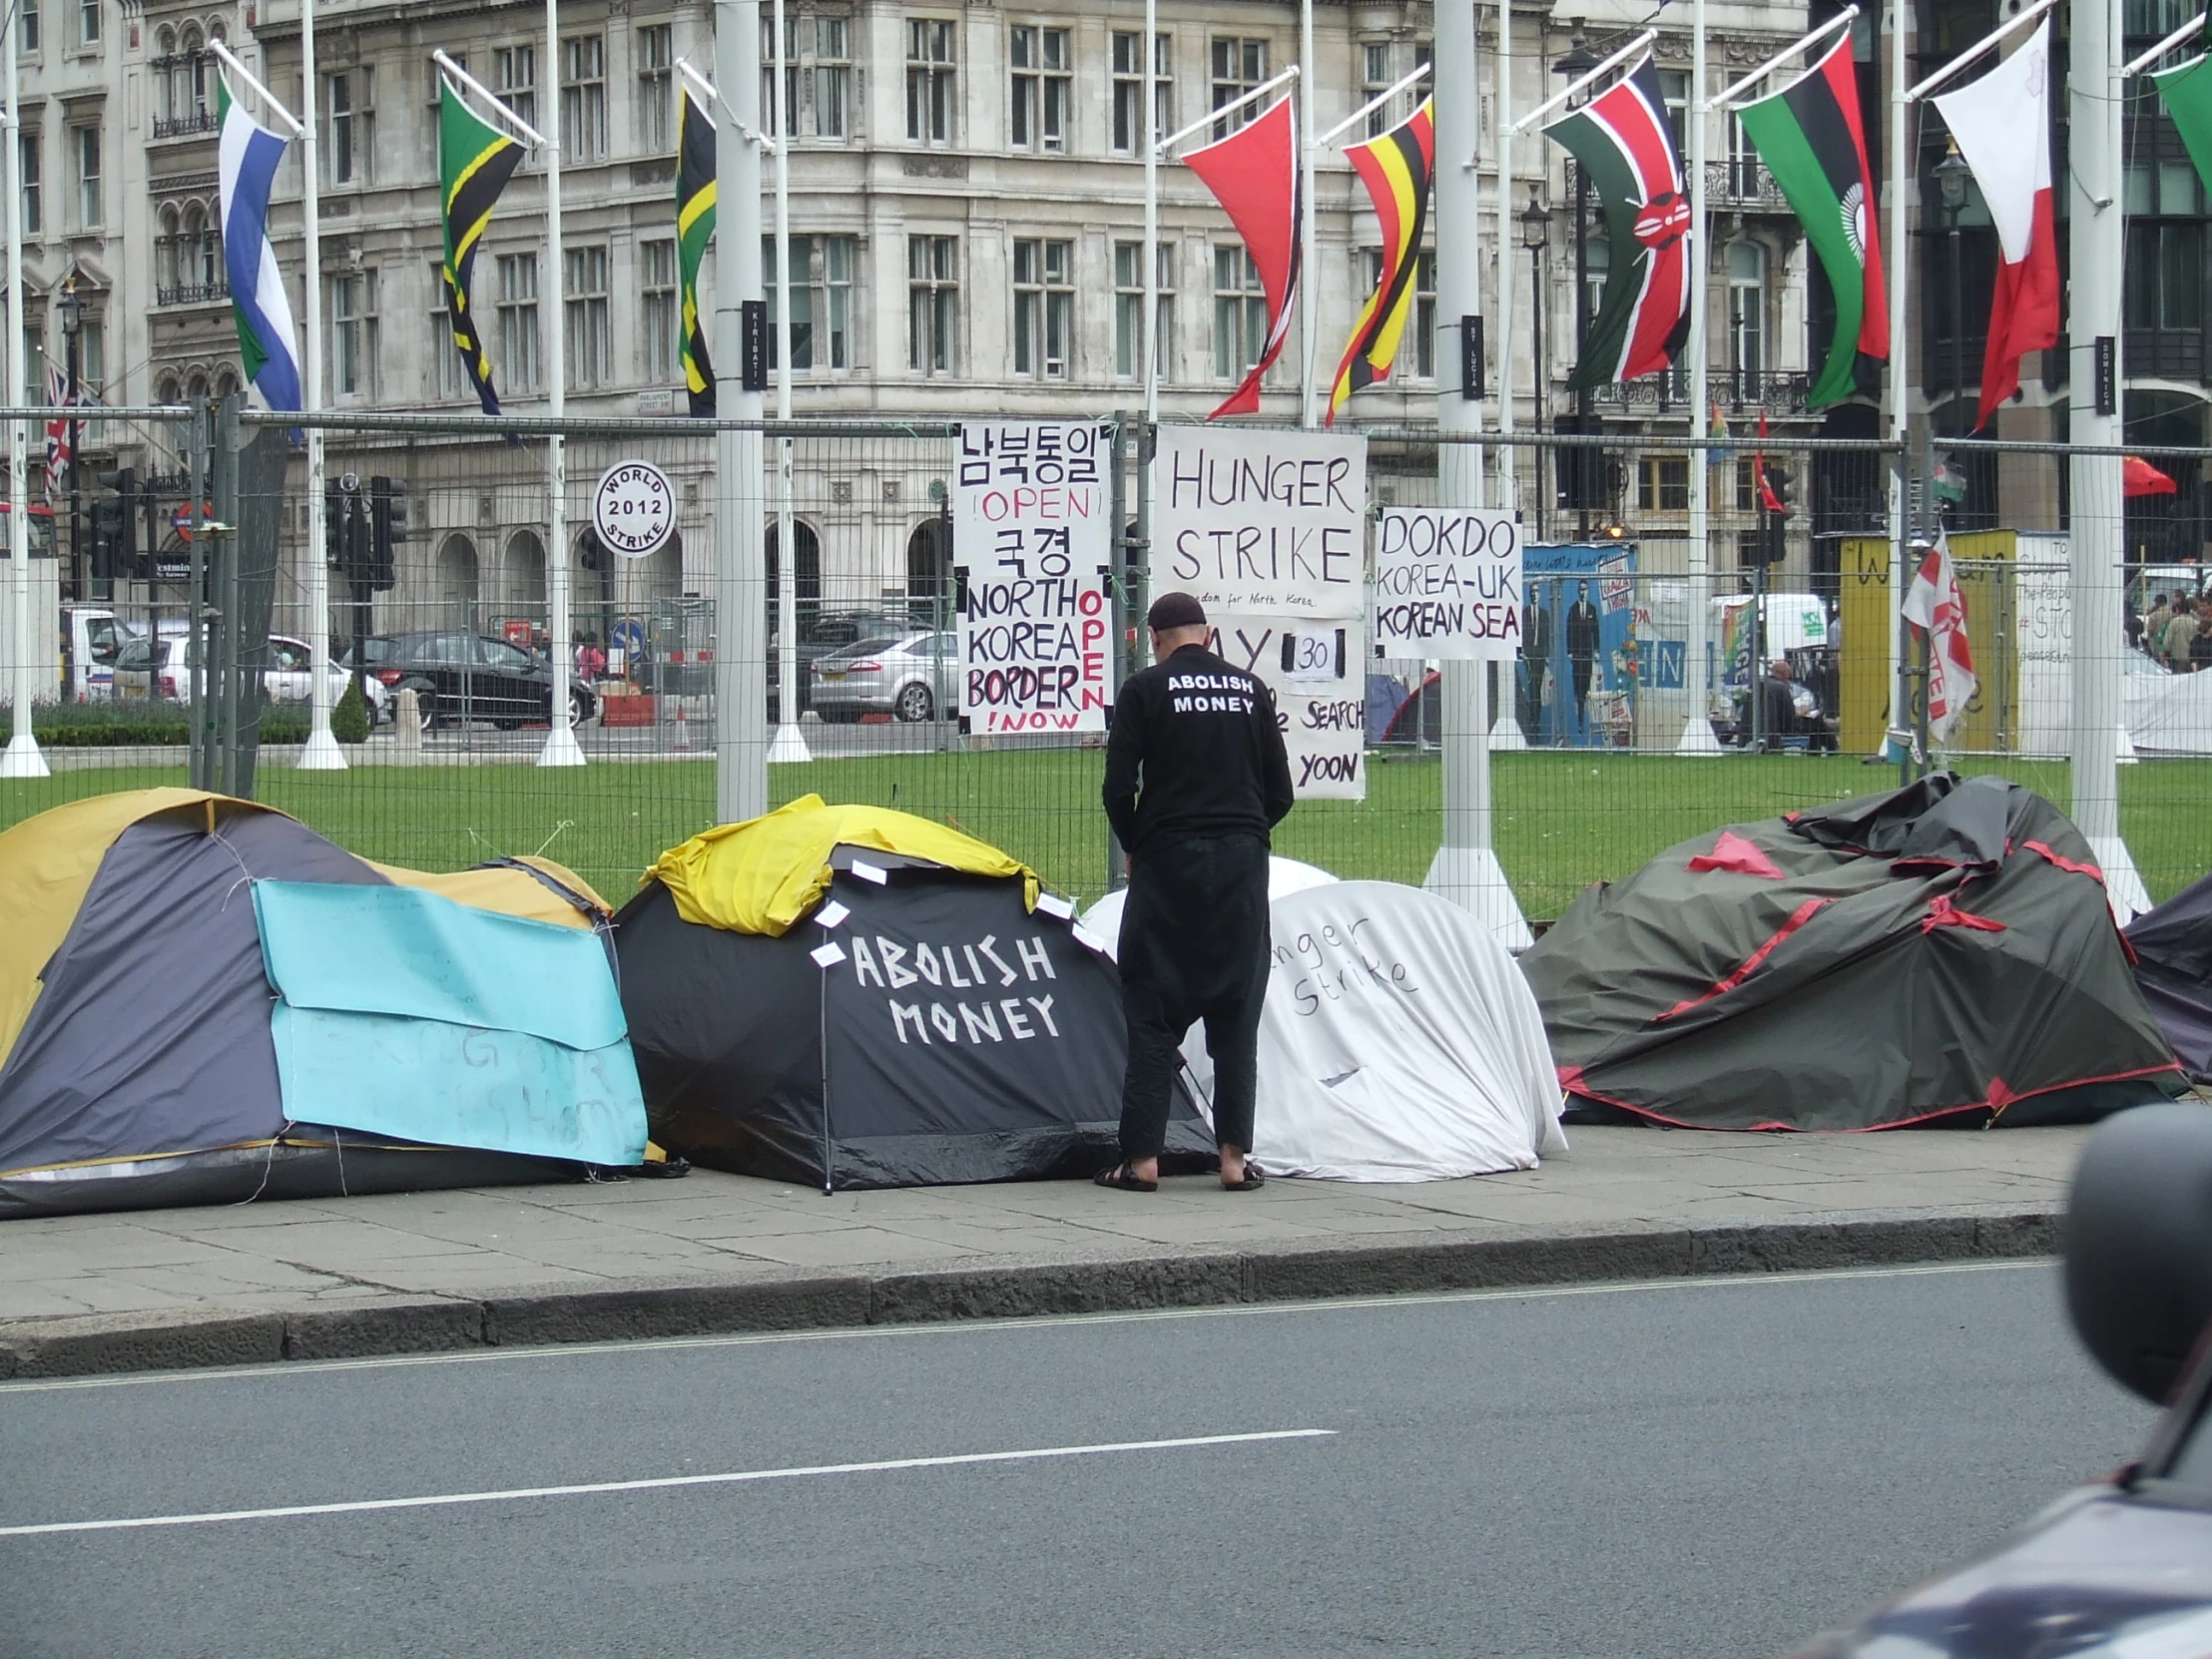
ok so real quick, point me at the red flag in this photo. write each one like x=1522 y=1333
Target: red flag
x=1766 y=498
x=1935 y=604
x=2003 y=126
x=1254 y=175
x=2139 y=477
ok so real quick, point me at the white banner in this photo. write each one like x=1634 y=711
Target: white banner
x=1260 y=522
x=1447 y=583
x=1317 y=668
x=1033 y=535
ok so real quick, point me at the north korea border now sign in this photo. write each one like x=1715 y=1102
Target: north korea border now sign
x=634 y=509
x=1447 y=583
x=1032 y=536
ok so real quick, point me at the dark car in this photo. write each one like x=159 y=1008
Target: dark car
x=2122 y=1569
x=460 y=677
x=832 y=631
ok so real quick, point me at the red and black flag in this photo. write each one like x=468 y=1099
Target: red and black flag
x=1254 y=175
x=1621 y=140
x=1398 y=169
x=1812 y=141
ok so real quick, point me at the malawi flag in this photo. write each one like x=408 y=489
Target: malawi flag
x=1397 y=169
x=1622 y=141
x=2003 y=125
x=2186 y=92
x=1814 y=143
x=695 y=227
x=474 y=164
x=1254 y=175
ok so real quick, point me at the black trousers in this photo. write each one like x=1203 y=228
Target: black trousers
x=1194 y=946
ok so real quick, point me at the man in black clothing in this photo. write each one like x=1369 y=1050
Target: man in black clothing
x=1584 y=641
x=1195 y=776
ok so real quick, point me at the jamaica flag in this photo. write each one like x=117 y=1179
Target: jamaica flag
x=474 y=165
x=1397 y=169
x=695 y=227
x=1809 y=136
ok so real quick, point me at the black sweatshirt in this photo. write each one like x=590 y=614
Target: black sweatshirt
x=1204 y=740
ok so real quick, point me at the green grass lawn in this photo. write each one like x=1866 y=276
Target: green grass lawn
x=1562 y=819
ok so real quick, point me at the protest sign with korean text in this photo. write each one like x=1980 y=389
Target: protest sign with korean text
x=1447 y=583
x=1032 y=536
x=1260 y=522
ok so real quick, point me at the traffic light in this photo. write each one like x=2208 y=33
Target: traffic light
x=1778 y=486
x=591 y=552
x=345 y=532
x=388 y=518
x=115 y=527
x=1776 y=505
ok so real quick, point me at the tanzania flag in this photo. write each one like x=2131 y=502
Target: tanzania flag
x=474 y=165
x=1621 y=140
x=1814 y=144
x=2186 y=92
x=695 y=227
x=1398 y=169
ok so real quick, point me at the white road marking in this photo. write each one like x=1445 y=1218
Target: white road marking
x=980 y=1327
x=659 y=1483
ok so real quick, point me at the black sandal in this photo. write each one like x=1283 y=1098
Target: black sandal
x=1122 y=1178
x=1253 y=1180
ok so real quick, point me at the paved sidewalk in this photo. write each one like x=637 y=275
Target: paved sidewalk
x=427 y=1271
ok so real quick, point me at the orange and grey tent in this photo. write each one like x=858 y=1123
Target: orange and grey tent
x=201 y=1000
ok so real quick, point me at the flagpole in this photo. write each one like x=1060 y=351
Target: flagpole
x=1465 y=869
x=561 y=747
x=1148 y=126
x=1503 y=485
x=1697 y=733
x=21 y=759
x=789 y=747
x=322 y=753
x=1897 y=274
x=739 y=585
x=1308 y=278
x=2097 y=227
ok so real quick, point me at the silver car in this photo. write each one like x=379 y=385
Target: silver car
x=910 y=677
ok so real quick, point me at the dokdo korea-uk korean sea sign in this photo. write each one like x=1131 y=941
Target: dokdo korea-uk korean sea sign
x=1447 y=583
x=1032 y=537
x=1268 y=529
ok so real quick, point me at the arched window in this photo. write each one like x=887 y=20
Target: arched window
x=196 y=389
x=457 y=579
x=165 y=390
x=165 y=88
x=194 y=73
x=226 y=383
x=929 y=564
x=522 y=584
x=165 y=259
x=806 y=584
x=1747 y=316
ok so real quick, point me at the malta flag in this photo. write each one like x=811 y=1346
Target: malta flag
x=2003 y=125
x=1935 y=606
x=1397 y=169
x=1254 y=175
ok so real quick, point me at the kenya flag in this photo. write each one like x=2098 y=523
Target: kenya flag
x=1622 y=141
x=1812 y=142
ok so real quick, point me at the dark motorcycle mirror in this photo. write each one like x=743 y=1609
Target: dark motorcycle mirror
x=2138 y=1244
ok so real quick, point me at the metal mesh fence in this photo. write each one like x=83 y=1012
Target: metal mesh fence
x=454 y=656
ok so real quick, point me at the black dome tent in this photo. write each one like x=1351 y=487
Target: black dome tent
x=856 y=999
x=1942 y=954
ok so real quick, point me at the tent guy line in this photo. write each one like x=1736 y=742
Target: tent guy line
x=977 y=1328
x=660 y=1483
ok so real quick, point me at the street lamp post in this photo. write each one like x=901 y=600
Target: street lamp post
x=72 y=312
x=1577 y=60
x=1535 y=223
x=1951 y=187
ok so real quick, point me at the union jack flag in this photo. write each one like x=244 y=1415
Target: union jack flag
x=56 y=433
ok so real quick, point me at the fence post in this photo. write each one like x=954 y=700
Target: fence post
x=1117 y=609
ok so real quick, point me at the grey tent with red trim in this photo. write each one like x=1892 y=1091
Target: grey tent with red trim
x=2173 y=966
x=1937 y=954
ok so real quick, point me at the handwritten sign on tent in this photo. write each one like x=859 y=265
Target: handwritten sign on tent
x=1260 y=522
x=1032 y=537
x=1447 y=583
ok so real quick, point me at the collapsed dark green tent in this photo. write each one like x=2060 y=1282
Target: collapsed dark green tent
x=1935 y=954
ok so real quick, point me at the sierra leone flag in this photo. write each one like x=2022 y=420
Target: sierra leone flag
x=1621 y=141
x=1814 y=143
x=695 y=227
x=247 y=155
x=474 y=164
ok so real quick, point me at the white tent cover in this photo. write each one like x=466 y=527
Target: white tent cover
x=1398 y=1043
x=1100 y=926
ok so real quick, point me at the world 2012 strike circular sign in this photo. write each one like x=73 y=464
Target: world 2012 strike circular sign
x=634 y=509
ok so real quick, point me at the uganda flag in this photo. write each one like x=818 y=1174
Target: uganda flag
x=1397 y=169
x=1812 y=142
x=1621 y=141
x=474 y=165
x=695 y=227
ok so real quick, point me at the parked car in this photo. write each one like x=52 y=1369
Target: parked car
x=824 y=634
x=909 y=675
x=2122 y=1569
x=285 y=679
x=458 y=677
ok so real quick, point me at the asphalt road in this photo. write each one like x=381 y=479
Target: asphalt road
x=1702 y=1469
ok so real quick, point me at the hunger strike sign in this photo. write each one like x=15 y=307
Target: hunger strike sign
x=1032 y=537
x=1447 y=583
